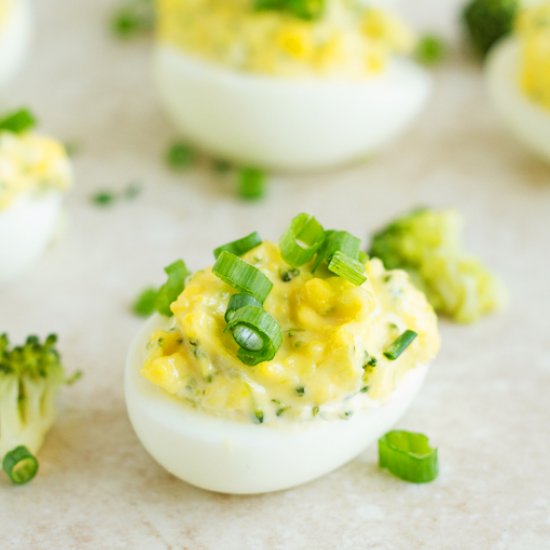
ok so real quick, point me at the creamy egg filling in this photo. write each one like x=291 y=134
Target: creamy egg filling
x=331 y=362
x=533 y=30
x=31 y=162
x=348 y=40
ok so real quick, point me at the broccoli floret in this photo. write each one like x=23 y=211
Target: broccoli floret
x=30 y=378
x=427 y=244
x=487 y=21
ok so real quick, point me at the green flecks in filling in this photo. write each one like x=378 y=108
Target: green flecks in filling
x=287 y=276
x=300 y=390
x=259 y=417
x=315 y=411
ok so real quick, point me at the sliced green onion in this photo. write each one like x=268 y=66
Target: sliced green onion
x=240 y=246
x=237 y=301
x=242 y=276
x=177 y=273
x=347 y=268
x=400 y=345
x=20 y=465
x=145 y=302
x=180 y=156
x=337 y=241
x=409 y=456
x=18 y=122
x=363 y=257
x=257 y=333
x=301 y=240
x=251 y=183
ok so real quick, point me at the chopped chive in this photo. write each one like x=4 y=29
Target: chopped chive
x=281 y=411
x=74 y=378
x=145 y=302
x=259 y=416
x=18 y=122
x=103 y=198
x=251 y=183
x=300 y=391
x=400 y=345
x=347 y=268
x=237 y=301
x=242 y=276
x=409 y=456
x=315 y=410
x=240 y=246
x=364 y=389
x=177 y=273
x=430 y=49
x=20 y=465
x=180 y=156
x=133 y=18
x=301 y=240
x=257 y=333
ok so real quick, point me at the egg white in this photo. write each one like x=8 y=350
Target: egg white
x=27 y=227
x=245 y=458
x=296 y=124
x=528 y=122
x=14 y=40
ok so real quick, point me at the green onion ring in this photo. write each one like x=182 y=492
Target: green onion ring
x=20 y=465
x=240 y=246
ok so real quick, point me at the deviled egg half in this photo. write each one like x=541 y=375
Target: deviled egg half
x=304 y=87
x=34 y=175
x=15 y=26
x=278 y=364
x=518 y=76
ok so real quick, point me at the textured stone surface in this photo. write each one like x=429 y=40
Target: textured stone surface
x=485 y=402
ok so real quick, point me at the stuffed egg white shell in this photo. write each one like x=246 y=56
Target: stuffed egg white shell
x=36 y=173
x=527 y=121
x=518 y=78
x=15 y=31
x=285 y=124
x=214 y=446
x=268 y=89
x=230 y=457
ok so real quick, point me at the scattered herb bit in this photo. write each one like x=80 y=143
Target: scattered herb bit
x=400 y=345
x=251 y=184
x=430 y=50
x=287 y=276
x=133 y=18
x=74 y=378
x=300 y=391
x=315 y=411
x=281 y=411
x=103 y=198
x=259 y=416
x=409 y=456
x=20 y=465
x=221 y=166
x=365 y=389
x=145 y=302
x=302 y=9
x=180 y=156
x=18 y=122
x=72 y=148
x=348 y=414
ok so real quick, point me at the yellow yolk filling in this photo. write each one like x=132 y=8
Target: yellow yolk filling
x=533 y=29
x=332 y=330
x=31 y=162
x=348 y=40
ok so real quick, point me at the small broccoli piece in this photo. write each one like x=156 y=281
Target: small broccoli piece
x=30 y=378
x=487 y=21
x=427 y=244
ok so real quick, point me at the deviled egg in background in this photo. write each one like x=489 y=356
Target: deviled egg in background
x=248 y=392
x=15 y=30
x=283 y=89
x=518 y=78
x=35 y=173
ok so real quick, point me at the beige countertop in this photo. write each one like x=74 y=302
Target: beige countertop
x=486 y=399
